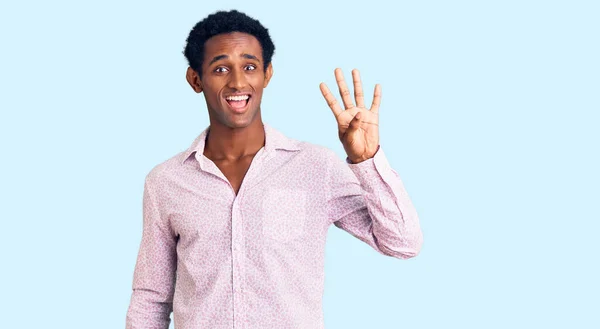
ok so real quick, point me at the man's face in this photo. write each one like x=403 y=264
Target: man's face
x=233 y=79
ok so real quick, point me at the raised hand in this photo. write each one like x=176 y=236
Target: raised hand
x=358 y=126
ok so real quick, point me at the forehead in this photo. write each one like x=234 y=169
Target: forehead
x=232 y=44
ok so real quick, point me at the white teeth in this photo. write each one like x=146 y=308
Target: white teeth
x=237 y=98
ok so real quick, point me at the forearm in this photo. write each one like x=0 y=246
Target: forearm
x=148 y=309
x=155 y=270
x=394 y=223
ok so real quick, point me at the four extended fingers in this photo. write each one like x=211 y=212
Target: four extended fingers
x=345 y=93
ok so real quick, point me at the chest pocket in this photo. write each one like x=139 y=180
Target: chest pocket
x=284 y=213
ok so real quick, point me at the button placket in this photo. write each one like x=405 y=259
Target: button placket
x=237 y=264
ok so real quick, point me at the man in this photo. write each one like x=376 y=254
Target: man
x=235 y=227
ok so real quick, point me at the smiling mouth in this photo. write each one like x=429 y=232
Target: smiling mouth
x=238 y=103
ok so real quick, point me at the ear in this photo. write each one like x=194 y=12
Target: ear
x=193 y=79
x=268 y=75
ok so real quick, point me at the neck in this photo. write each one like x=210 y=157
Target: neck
x=225 y=143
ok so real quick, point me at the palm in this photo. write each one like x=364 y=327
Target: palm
x=357 y=143
x=361 y=136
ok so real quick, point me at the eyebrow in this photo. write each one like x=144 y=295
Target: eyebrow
x=220 y=57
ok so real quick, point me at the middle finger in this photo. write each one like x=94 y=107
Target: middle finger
x=344 y=92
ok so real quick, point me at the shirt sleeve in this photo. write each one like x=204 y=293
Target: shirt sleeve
x=154 y=274
x=369 y=201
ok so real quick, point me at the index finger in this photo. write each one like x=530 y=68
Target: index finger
x=331 y=101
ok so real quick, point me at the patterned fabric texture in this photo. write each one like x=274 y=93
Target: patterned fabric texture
x=255 y=260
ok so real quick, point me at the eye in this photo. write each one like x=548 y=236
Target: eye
x=221 y=69
x=251 y=67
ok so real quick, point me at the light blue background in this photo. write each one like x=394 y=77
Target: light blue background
x=489 y=114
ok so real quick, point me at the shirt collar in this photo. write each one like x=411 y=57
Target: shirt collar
x=274 y=140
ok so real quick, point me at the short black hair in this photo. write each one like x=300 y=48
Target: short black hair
x=222 y=22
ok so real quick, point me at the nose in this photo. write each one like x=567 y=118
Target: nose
x=237 y=80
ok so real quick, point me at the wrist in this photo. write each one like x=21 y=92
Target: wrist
x=363 y=158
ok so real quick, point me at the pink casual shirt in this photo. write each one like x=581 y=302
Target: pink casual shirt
x=255 y=260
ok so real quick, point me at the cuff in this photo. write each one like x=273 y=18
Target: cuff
x=372 y=171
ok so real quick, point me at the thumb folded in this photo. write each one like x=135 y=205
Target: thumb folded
x=355 y=123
